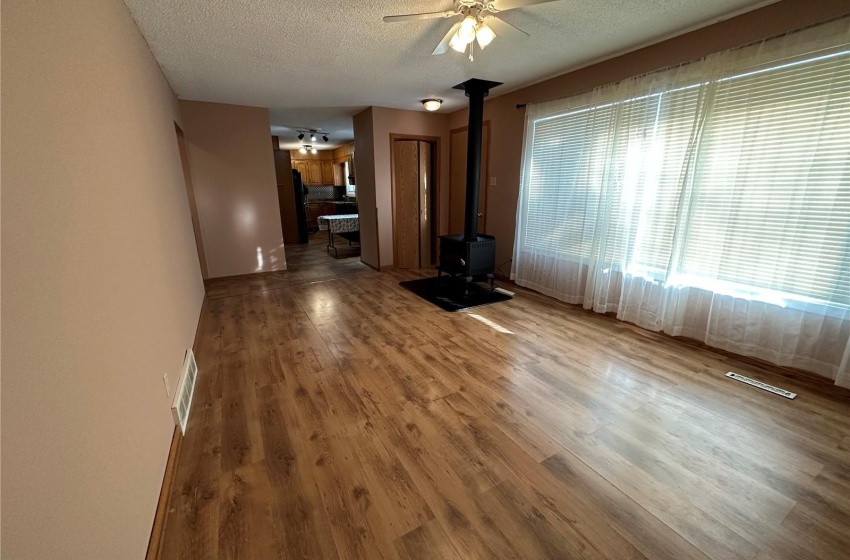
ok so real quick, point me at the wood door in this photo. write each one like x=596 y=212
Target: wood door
x=327 y=172
x=407 y=229
x=315 y=167
x=425 y=188
x=457 y=178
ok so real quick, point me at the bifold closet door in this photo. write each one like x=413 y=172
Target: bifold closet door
x=425 y=193
x=407 y=230
x=413 y=186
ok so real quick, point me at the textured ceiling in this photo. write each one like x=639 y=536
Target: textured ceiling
x=315 y=63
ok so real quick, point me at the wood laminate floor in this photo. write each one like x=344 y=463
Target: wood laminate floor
x=310 y=262
x=350 y=419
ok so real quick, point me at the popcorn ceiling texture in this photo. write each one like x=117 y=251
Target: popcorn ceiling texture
x=291 y=55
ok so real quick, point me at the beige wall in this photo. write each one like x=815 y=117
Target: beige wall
x=507 y=122
x=364 y=150
x=101 y=282
x=230 y=155
x=375 y=191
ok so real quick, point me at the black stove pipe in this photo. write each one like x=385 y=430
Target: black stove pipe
x=476 y=90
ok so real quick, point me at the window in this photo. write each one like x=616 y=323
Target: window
x=350 y=190
x=742 y=180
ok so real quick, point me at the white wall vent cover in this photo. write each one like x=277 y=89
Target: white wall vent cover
x=185 y=390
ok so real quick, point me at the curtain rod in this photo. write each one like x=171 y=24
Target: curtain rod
x=750 y=44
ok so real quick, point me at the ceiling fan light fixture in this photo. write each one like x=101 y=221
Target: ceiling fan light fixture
x=432 y=104
x=466 y=33
x=457 y=44
x=484 y=34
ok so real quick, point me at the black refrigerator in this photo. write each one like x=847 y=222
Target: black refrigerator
x=300 y=205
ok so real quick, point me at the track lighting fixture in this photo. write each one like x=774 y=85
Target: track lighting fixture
x=313 y=133
x=303 y=150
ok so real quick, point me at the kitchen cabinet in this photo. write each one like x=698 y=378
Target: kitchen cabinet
x=319 y=171
x=315 y=171
x=339 y=178
x=301 y=167
x=328 y=172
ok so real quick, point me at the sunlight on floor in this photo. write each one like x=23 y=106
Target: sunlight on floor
x=489 y=323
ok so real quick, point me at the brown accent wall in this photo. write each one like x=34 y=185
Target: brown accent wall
x=101 y=283
x=508 y=122
x=233 y=173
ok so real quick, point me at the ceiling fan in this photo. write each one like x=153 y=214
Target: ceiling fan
x=478 y=22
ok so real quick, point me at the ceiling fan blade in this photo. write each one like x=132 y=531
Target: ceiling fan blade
x=426 y=15
x=444 y=44
x=504 y=29
x=504 y=5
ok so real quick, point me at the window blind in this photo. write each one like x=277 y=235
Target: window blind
x=771 y=205
x=742 y=178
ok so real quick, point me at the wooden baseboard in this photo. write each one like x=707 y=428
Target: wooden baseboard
x=249 y=275
x=373 y=267
x=162 y=506
x=158 y=531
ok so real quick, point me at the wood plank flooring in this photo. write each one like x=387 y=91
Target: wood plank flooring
x=310 y=262
x=349 y=419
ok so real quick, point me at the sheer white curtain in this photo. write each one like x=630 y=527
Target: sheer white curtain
x=710 y=200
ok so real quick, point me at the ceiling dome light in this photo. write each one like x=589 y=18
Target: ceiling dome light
x=432 y=104
x=484 y=34
x=466 y=33
x=303 y=150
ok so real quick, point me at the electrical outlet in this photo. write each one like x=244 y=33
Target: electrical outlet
x=167 y=386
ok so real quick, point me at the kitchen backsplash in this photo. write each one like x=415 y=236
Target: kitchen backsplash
x=325 y=192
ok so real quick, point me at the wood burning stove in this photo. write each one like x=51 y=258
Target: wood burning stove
x=471 y=255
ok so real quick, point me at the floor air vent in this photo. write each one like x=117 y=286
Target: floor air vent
x=760 y=385
x=185 y=389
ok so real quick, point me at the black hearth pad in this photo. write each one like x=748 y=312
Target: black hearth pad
x=447 y=293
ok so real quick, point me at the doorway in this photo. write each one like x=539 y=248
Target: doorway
x=414 y=191
x=193 y=205
x=458 y=138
